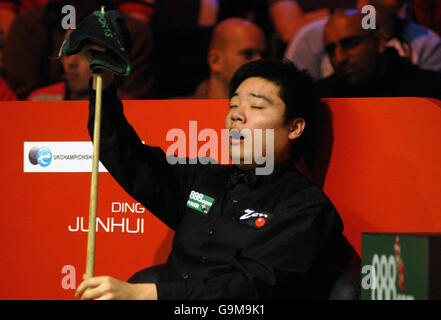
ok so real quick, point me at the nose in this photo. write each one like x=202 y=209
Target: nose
x=237 y=114
x=71 y=61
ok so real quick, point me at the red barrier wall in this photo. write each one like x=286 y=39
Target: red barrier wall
x=383 y=175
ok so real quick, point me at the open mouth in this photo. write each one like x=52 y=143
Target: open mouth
x=236 y=137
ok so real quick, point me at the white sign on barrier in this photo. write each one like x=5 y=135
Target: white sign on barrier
x=58 y=156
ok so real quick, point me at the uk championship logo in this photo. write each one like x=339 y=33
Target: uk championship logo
x=41 y=156
x=200 y=202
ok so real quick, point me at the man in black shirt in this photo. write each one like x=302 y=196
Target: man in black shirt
x=365 y=68
x=238 y=235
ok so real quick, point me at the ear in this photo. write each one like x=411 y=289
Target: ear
x=296 y=128
x=214 y=59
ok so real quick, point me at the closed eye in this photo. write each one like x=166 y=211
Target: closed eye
x=232 y=106
x=256 y=107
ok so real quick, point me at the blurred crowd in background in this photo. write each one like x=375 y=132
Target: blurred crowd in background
x=191 y=48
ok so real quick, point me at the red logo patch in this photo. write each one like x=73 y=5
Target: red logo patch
x=260 y=222
x=254 y=219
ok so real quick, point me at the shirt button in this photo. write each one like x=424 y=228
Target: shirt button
x=185 y=275
x=204 y=259
x=210 y=232
x=235 y=201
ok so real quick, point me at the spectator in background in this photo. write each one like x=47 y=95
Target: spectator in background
x=289 y=16
x=190 y=23
x=75 y=85
x=234 y=42
x=36 y=35
x=417 y=43
x=364 y=67
x=428 y=13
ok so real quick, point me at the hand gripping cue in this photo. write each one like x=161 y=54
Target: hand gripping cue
x=90 y=262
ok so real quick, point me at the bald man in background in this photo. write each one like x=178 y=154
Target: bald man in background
x=234 y=42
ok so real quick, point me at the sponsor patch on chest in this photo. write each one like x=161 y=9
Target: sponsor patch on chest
x=200 y=202
x=254 y=218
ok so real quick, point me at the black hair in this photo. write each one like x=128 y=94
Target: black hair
x=298 y=91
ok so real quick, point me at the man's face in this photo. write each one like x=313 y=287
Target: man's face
x=245 y=45
x=76 y=69
x=256 y=104
x=353 y=51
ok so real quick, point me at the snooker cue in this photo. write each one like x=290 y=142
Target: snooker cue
x=90 y=262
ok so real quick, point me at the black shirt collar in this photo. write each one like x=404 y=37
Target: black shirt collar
x=249 y=177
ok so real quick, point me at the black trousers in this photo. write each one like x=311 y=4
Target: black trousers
x=147 y=275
